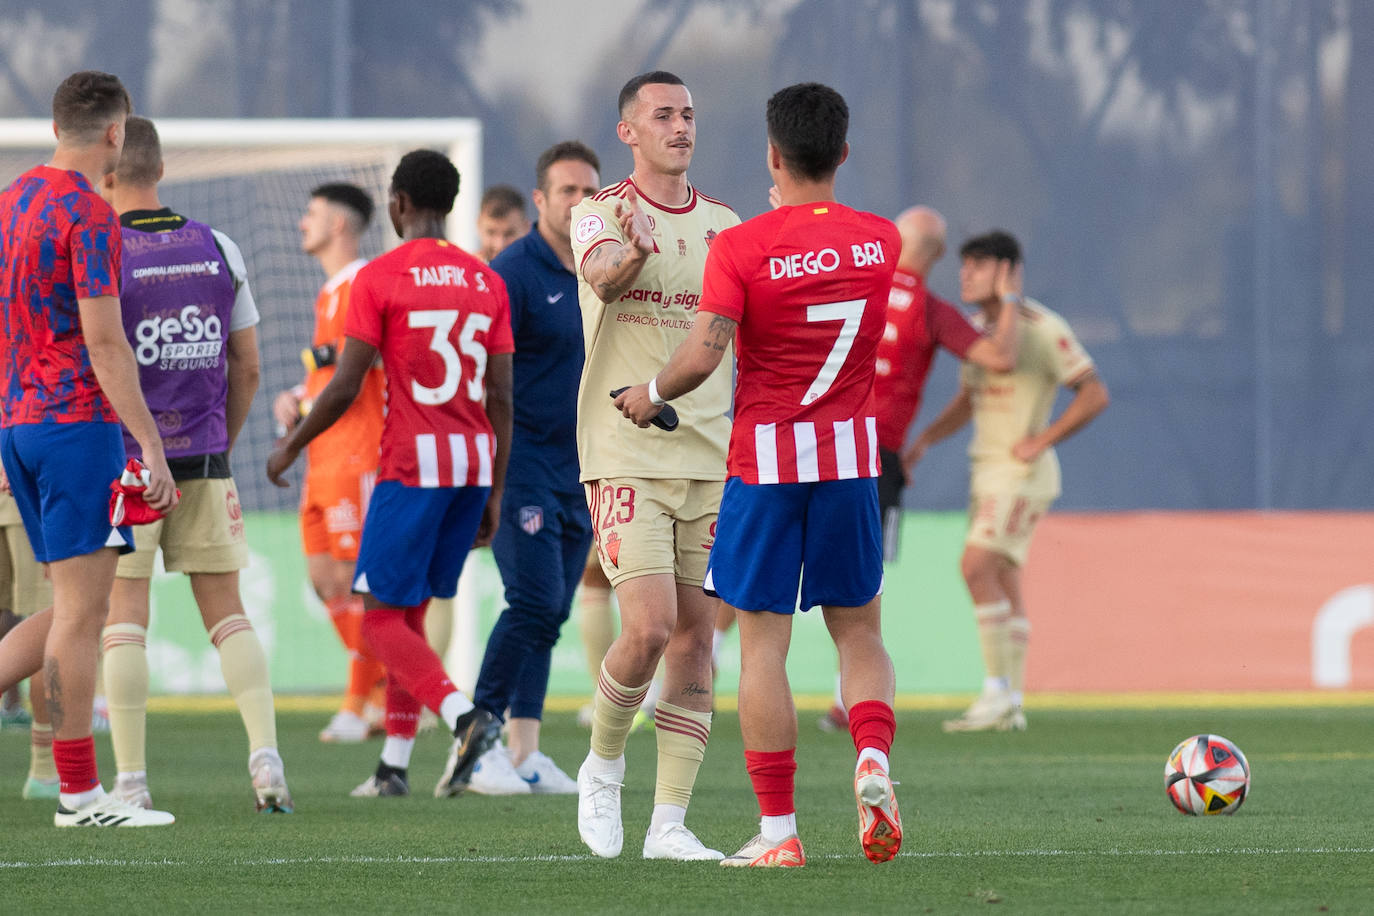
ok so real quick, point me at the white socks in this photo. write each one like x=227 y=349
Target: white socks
x=776 y=828
x=453 y=706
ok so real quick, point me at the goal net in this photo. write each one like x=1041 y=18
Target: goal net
x=251 y=179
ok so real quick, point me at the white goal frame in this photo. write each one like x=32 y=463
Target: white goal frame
x=459 y=138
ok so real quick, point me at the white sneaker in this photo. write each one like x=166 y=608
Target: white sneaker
x=675 y=841
x=132 y=789
x=495 y=775
x=269 y=782
x=345 y=728
x=544 y=777
x=598 y=810
x=108 y=811
x=992 y=711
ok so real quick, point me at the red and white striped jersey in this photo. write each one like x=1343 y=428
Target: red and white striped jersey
x=808 y=285
x=434 y=313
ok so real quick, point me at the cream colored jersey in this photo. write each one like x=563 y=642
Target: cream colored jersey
x=1009 y=406
x=630 y=340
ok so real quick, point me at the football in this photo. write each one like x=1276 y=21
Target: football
x=1206 y=774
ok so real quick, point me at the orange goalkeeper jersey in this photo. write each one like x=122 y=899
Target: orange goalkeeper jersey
x=353 y=444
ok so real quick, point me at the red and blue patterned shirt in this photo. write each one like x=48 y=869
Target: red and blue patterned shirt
x=59 y=242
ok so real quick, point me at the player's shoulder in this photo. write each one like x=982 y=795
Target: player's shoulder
x=608 y=195
x=874 y=222
x=1037 y=314
x=712 y=203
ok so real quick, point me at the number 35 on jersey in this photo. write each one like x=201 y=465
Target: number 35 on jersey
x=435 y=340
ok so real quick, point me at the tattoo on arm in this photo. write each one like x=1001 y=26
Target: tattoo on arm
x=608 y=263
x=720 y=332
x=695 y=690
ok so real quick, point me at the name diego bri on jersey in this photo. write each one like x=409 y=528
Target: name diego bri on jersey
x=811 y=263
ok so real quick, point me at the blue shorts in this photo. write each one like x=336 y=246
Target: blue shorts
x=61 y=474
x=415 y=540
x=770 y=537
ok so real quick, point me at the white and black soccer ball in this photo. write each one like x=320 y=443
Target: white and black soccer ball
x=1206 y=774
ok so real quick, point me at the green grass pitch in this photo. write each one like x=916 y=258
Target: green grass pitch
x=1069 y=817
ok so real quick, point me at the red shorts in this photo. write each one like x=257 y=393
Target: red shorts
x=332 y=510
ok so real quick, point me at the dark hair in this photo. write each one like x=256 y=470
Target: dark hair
x=808 y=123
x=87 y=102
x=630 y=91
x=500 y=200
x=348 y=196
x=428 y=179
x=141 y=162
x=997 y=244
x=568 y=150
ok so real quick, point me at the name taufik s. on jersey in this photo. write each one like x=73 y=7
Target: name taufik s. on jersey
x=809 y=286
x=434 y=313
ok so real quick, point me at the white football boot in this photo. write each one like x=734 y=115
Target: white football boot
x=495 y=775
x=598 y=808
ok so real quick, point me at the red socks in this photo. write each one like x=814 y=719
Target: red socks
x=872 y=724
x=402 y=711
x=773 y=775
x=75 y=762
x=397 y=638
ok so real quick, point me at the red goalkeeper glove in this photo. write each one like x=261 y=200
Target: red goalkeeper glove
x=127 y=506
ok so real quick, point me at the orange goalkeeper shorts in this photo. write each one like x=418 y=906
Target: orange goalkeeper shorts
x=332 y=510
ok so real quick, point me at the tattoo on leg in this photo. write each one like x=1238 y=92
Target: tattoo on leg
x=694 y=690
x=55 y=710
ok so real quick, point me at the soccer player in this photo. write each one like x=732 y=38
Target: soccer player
x=439 y=320
x=805 y=287
x=342 y=462
x=541 y=546
x=69 y=378
x=190 y=316
x=640 y=245
x=1014 y=472
x=501 y=219
x=919 y=322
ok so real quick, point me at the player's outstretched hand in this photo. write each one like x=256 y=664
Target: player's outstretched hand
x=634 y=222
x=282 y=457
x=162 y=490
x=491 y=520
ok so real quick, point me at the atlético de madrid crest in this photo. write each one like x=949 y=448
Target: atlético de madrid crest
x=531 y=519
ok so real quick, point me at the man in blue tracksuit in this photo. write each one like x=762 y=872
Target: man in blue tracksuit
x=545 y=533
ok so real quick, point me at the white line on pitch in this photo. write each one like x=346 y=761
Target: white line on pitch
x=523 y=860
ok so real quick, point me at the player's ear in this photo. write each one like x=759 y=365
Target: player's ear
x=55 y=132
x=161 y=170
x=844 y=153
x=624 y=131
